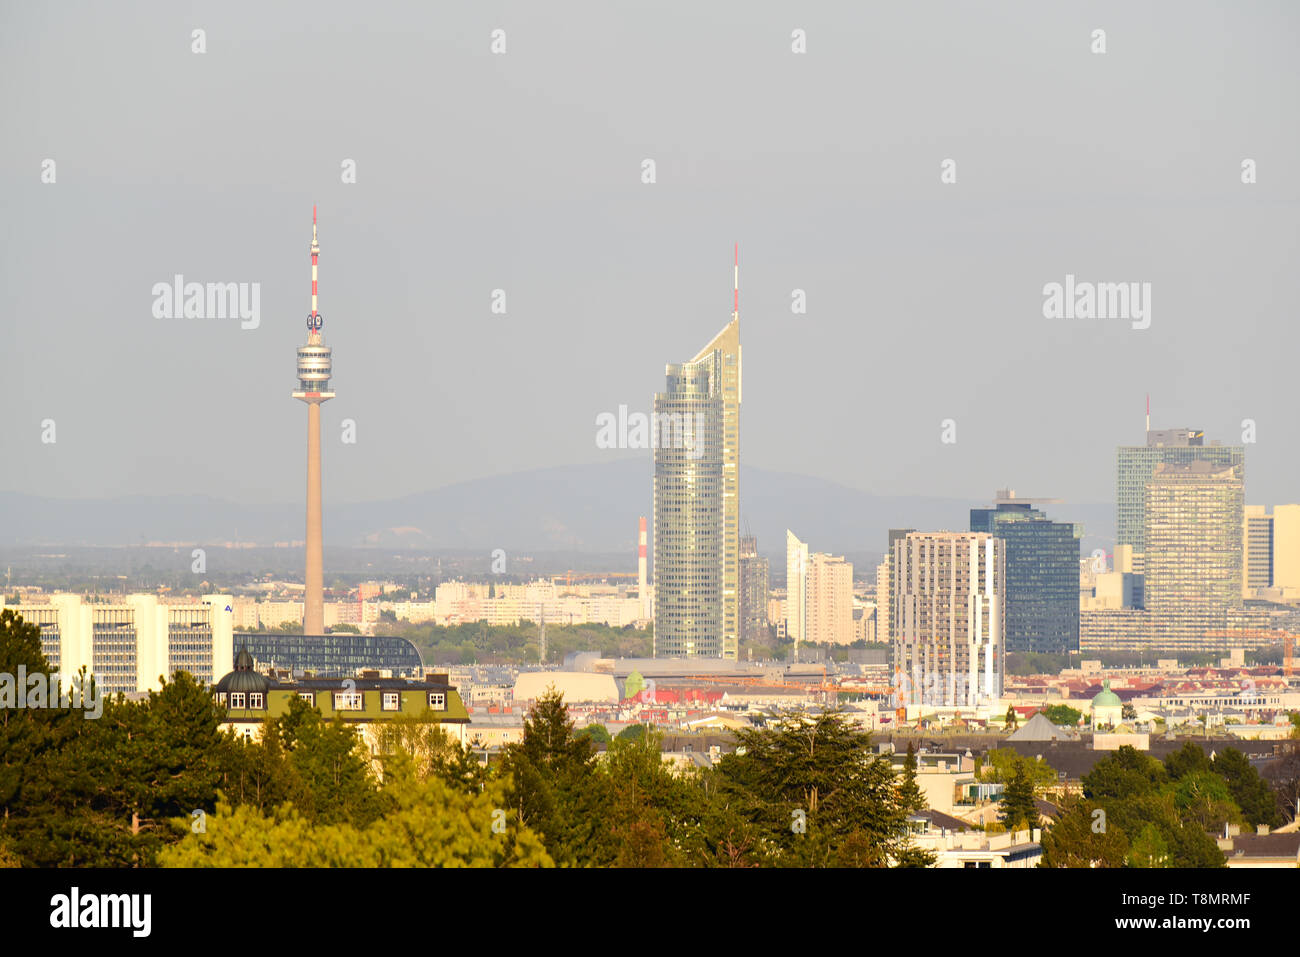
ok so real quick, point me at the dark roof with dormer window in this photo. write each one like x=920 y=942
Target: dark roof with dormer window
x=243 y=680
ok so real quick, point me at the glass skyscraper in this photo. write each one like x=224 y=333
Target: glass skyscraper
x=696 y=503
x=1042 y=585
x=1135 y=464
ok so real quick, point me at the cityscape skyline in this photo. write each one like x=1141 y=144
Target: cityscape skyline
x=423 y=261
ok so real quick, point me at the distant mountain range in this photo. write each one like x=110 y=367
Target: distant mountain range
x=584 y=508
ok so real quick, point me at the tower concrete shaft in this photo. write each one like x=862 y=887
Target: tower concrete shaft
x=315 y=365
x=313 y=622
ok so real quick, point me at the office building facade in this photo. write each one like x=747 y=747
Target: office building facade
x=1042 y=588
x=696 y=505
x=1136 y=464
x=1195 y=513
x=129 y=642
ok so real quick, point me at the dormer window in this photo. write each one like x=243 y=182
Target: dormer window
x=237 y=700
x=256 y=700
x=437 y=701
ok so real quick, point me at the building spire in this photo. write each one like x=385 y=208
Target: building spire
x=314 y=322
x=735 y=314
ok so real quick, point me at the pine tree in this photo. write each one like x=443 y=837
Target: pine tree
x=910 y=795
x=1018 y=808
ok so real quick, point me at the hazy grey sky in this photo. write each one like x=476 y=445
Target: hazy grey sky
x=522 y=172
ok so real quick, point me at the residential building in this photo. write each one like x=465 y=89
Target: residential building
x=949 y=611
x=829 y=600
x=796 y=589
x=251 y=697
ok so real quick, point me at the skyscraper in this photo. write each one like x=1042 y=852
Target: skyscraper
x=1257 y=555
x=697 y=501
x=753 y=591
x=949 y=608
x=796 y=589
x=829 y=600
x=1042 y=573
x=1135 y=465
x=1194 y=519
x=314 y=367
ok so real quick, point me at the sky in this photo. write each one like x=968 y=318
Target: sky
x=522 y=171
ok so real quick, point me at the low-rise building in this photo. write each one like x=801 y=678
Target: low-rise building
x=250 y=698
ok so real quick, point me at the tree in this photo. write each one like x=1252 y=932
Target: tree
x=1018 y=808
x=1012 y=720
x=332 y=764
x=1283 y=775
x=555 y=790
x=909 y=792
x=430 y=824
x=807 y=791
x=633 y=732
x=1188 y=759
x=430 y=750
x=1063 y=714
x=1126 y=773
x=652 y=811
x=1251 y=793
x=597 y=732
x=1001 y=765
x=1082 y=837
x=344 y=630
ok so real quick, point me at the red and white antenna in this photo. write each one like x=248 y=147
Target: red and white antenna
x=1148 y=411
x=314 y=322
x=736 y=307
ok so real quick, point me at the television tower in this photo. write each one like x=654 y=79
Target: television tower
x=314 y=367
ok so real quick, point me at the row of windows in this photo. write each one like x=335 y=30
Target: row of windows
x=343 y=700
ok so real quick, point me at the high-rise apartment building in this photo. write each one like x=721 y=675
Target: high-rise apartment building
x=1042 y=591
x=885 y=587
x=1257 y=550
x=696 y=504
x=796 y=589
x=829 y=600
x=1195 y=514
x=753 y=591
x=1137 y=463
x=949 y=609
x=1286 y=547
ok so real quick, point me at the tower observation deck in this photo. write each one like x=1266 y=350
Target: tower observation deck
x=314 y=367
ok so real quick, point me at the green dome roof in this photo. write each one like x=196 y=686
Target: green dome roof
x=1106 y=698
x=243 y=679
